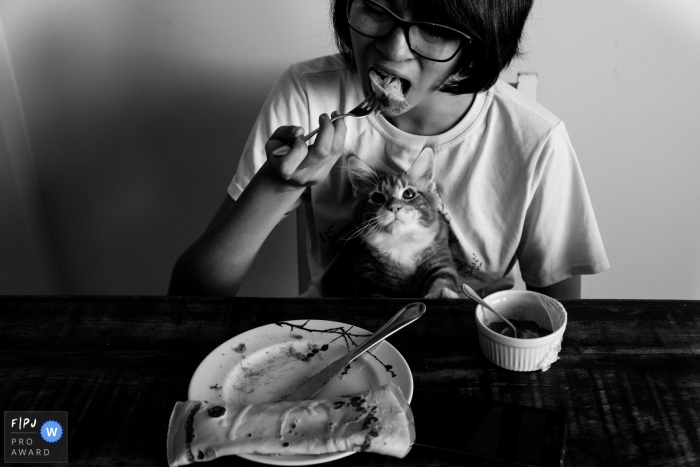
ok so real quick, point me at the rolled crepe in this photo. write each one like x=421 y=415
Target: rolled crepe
x=379 y=420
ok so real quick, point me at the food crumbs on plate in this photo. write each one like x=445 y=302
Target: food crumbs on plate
x=312 y=349
x=530 y=328
x=241 y=348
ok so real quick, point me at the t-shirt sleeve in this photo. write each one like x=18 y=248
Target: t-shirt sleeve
x=285 y=105
x=560 y=235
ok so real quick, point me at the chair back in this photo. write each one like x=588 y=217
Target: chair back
x=527 y=84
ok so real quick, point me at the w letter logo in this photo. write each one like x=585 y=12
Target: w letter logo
x=51 y=431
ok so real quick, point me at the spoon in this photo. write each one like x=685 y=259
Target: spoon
x=471 y=293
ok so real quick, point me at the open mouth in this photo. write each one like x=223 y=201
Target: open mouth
x=386 y=79
x=391 y=91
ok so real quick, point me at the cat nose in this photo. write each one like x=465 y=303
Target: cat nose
x=394 y=205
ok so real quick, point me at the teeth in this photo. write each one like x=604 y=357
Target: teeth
x=384 y=76
x=392 y=95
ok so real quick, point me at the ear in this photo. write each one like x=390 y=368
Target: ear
x=362 y=176
x=422 y=171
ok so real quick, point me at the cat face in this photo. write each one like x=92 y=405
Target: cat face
x=394 y=204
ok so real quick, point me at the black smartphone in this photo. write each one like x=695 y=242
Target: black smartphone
x=488 y=433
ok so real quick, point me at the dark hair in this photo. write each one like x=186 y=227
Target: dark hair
x=496 y=27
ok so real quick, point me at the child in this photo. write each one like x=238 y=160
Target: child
x=505 y=167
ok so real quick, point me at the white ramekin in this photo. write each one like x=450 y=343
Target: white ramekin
x=521 y=354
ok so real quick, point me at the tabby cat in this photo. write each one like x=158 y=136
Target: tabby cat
x=399 y=245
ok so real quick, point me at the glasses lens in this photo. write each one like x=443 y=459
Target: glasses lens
x=434 y=41
x=431 y=41
x=368 y=19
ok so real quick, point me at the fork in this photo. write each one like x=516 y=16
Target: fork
x=365 y=108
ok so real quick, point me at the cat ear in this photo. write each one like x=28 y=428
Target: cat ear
x=362 y=176
x=422 y=171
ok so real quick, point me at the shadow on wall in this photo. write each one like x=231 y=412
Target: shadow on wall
x=134 y=153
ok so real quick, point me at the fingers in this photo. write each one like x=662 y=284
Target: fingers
x=330 y=138
x=282 y=138
x=325 y=134
x=302 y=165
x=287 y=133
x=339 y=135
x=289 y=163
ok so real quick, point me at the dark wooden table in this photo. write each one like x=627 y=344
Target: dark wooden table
x=628 y=378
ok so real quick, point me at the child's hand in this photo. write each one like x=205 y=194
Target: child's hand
x=307 y=165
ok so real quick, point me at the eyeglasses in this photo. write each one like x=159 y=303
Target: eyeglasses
x=428 y=40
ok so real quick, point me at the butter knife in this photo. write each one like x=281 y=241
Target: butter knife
x=314 y=384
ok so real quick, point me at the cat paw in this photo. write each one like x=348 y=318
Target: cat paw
x=443 y=292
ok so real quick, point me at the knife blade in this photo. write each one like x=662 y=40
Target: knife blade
x=315 y=383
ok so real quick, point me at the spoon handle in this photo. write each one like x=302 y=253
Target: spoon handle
x=471 y=293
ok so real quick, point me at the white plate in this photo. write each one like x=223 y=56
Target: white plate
x=265 y=363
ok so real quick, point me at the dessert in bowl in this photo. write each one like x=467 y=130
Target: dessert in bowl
x=545 y=321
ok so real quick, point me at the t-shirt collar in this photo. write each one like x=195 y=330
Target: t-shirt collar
x=411 y=140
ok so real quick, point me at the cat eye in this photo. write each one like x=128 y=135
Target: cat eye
x=409 y=194
x=377 y=198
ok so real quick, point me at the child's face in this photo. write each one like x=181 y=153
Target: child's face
x=392 y=55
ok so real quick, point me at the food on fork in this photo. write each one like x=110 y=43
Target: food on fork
x=390 y=91
x=378 y=420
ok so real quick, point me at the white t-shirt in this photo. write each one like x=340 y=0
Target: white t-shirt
x=508 y=175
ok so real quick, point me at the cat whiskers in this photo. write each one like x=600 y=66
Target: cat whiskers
x=371 y=233
x=364 y=230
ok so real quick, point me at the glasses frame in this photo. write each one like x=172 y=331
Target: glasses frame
x=405 y=26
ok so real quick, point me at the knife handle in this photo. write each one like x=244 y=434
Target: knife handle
x=401 y=319
x=313 y=385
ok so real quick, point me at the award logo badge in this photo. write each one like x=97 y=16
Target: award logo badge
x=36 y=436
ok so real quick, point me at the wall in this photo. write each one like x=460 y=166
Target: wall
x=623 y=75
x=134 y=113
